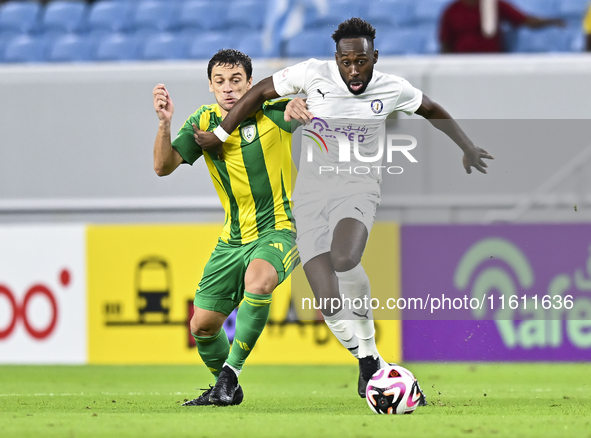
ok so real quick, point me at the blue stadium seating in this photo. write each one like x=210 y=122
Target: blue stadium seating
x=550 y=39
x=429 y=11
x=25 y=48
x=406 y=41
x=165 y=45
x=251 y=44
x=197 y=16
x=112 y=16
x=390 y=13
x=310 y=43
x=117 y=47
x=71 y=48
x=573 y=8
x=338 y=11
x=205 y=46
x=249 y=14
x=62 y=16
x=19 y=17
x=158 y=15
x=538 y=8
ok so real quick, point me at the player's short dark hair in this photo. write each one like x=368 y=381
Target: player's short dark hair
x=231 y=58
x=354 y=28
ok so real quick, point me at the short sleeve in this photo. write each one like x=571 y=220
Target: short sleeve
x=291 y=80
x=409 y=99
x=274 y=110
x=185 y=144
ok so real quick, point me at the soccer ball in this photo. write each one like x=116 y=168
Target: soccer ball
x=393 y=390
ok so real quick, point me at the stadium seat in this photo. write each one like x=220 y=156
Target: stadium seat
x=25 y=48
x=112 y=16
x=251 y=44
x=338 y=11
x=315 y=43
x=117 y=47
x=62 y=16
x=157 y=15
x=198 y=15
x=573 y=8
x=165 y=45
x=539 y=8
x=19 y=16
x=69 y=48
x=249 y=14
x=543 y=40
x=390 y=13
x=429 y=11
x=206 y=45
x=407 y=41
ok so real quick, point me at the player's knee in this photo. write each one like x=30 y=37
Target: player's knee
x=344 y=261
x=202 y=328
x=260 y=284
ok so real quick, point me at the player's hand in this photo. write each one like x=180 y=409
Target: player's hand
x=297 y=109
x=473 y=157
x=163 y=103
x=209 y=142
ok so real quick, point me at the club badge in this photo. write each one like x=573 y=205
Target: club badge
x=248 y=133
x=377 y=106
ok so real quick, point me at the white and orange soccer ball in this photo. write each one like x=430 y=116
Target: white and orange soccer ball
x=393 y=390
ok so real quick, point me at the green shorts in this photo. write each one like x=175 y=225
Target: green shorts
x=222 y=287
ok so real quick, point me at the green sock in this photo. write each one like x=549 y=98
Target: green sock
x=250 y=322
x=213 y=350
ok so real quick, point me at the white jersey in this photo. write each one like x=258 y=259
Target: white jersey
x=348 y=130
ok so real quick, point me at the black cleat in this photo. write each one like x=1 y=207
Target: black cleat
x=423 y=399
x=226 y=391
x=367 y=367
x=203 y=399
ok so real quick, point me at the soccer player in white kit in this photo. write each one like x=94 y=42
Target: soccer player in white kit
x=347 y=103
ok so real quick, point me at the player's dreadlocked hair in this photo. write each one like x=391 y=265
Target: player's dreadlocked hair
x=354 y=28
x=231 y=58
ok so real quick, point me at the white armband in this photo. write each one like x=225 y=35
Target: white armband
x=221 y=134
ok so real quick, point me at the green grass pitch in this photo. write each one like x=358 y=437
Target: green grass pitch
x=517 y=400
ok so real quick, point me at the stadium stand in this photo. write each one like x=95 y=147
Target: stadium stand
x=139 y=29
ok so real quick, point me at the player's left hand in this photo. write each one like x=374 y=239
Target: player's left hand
x=209 y=142
x=297 y=109
x=473 y=157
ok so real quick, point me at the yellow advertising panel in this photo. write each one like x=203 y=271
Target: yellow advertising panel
x=141 y=285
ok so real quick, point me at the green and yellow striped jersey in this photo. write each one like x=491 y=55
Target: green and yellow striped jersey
x=254 y=180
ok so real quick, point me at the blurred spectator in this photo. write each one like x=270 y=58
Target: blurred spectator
x=473 y=26
x=587 y=26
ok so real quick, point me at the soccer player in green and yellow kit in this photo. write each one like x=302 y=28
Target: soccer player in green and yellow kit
x=254 y=254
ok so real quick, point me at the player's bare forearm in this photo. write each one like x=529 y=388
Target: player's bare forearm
x=442 y=120
x=249 y=103
x=166 y=159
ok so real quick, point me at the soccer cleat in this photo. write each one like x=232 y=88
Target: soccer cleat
x=226 y=391
x=203 y=399
x=367 y=367
x=423 y=399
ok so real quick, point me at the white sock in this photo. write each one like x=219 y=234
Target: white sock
x=236 y=370
x=340 y=326
x=355 y=284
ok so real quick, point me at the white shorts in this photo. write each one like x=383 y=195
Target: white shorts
x=317 y=217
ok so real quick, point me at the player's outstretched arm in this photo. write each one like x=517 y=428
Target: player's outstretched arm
x=248 y=104
x=442 y=120
x=166 y=159
x=297 y=109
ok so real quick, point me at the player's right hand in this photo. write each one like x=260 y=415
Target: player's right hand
x=163 y=103
x=297 y=109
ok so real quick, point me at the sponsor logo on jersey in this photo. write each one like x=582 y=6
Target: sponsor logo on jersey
x=248 y=133
x=377 y=106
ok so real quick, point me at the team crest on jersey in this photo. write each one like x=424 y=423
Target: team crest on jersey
x=377 y=106
x=248 y=133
